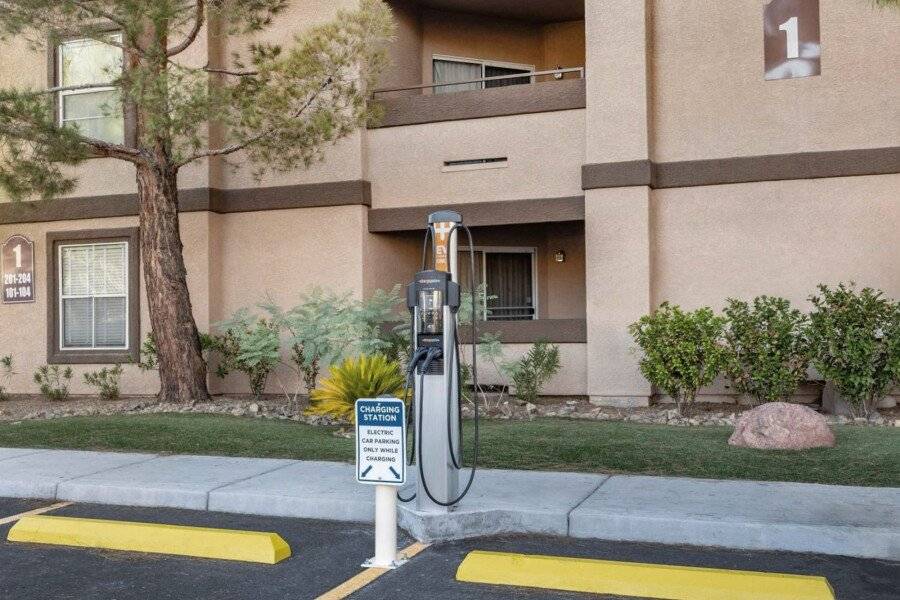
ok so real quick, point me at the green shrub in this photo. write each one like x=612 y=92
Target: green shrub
x=682 y=351
x=855 y=343
x=767 y=351
x=106 y=381
x=324 y=327
x=6 y=374
x=360 y=377
x=532 y=372
x=53 y=381
x=250 y=346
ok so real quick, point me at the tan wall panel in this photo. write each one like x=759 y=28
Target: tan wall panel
x=617 y=237
x=545 y=152
x=777 y=238
x=563 y=45
x=710 y=99
x=282 y=255
x=616 y=72
x=570 y=381
x=405 y=52
x=343 y=161
x=23 y=327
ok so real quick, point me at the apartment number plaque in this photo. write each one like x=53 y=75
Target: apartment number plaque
x=17 y=257
x=791 y=34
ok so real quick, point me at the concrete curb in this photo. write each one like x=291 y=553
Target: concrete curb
x=850 y=521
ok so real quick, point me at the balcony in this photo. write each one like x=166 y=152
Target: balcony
x=542 y=91
x=469 y=59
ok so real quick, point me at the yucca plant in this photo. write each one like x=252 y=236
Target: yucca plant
x=360 y=377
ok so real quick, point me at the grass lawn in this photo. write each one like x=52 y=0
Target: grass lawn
x=863 y=456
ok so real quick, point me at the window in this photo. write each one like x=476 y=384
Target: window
x=447 y=70
x=93 y=281
x=94 y=296
x=508 y=274
x=96 y=111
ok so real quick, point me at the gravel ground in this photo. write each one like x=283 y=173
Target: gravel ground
x=21 y=408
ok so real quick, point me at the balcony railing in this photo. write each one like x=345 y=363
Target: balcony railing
x=532 y=76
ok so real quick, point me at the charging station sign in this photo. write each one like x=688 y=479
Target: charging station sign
x=381 y=441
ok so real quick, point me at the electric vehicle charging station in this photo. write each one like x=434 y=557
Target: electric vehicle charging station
x=433 y=299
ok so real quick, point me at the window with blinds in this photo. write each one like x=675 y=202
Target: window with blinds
x=508 y=275
x=93 y=296
x=446 y=69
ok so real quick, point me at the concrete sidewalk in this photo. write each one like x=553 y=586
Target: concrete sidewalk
x=851 y=521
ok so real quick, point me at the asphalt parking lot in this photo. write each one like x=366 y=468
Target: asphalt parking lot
x=326 y=554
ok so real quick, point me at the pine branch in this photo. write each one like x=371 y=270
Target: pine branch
x=209 y=69
x=86 y=6
x=192 y=34
x=119 y=151
x=232 y=148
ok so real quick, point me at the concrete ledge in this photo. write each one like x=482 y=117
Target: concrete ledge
x=506 y=502
x=155 y=538
x=38 y=474
x=851 y=521
x=309 y=489
x=799 y=517
x=170 y=481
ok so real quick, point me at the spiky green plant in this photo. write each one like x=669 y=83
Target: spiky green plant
x=360 y=377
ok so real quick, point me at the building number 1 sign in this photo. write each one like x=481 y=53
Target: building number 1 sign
x=791 y=35
x=17 y=257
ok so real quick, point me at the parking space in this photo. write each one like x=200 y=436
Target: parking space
x=326 y=554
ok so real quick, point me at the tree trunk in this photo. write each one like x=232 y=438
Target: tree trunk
x=182 y=370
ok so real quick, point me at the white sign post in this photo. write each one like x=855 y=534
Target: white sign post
x=381 y=461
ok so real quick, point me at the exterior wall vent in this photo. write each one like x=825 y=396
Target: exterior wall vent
x=473 y=164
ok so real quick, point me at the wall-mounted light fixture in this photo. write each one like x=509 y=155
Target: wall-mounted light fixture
x=559 y=256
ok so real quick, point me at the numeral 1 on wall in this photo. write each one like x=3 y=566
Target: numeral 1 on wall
x=790 y=29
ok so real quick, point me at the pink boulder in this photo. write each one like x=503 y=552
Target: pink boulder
x=782 y=426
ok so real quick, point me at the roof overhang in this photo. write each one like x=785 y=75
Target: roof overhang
x=536 y=11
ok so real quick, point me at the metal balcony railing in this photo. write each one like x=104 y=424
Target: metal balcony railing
x=555 y=73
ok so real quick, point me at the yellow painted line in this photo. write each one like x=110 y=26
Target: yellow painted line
x=36 y=511
x=155 y=538
x=363 y=579
x=637 y=579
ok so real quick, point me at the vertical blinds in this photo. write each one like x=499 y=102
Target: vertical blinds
x=94 y=295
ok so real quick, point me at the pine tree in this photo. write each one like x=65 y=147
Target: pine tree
x=275 y=107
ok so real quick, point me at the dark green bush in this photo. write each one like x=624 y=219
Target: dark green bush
x=682 y=351
x=767 y=350
x=854 y=340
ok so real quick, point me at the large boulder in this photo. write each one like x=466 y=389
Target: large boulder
x=782 y=426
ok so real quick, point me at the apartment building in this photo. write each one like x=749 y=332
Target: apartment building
x=609 y=155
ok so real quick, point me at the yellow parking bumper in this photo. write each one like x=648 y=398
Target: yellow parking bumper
x=200 y=542
x=637 y=579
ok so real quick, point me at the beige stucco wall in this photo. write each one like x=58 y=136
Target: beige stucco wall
x=780 y=237
x=405 y=53
x=710 y=98
x=617 y=88
x=545 y=152
x=23 y=327
x=618 y=272
x=281 y=255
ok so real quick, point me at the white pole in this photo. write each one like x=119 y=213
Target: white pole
x=385 y=527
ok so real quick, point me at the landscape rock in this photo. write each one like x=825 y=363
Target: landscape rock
x=782 y=426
